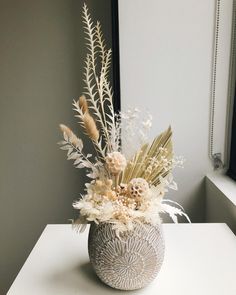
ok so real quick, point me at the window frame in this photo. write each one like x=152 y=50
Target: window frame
x=232 y=162
x=115 y=55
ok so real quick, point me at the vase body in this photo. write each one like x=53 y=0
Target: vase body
x=130 y=261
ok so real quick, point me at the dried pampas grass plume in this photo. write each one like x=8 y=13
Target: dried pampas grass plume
x=69 y=133
x=82 y=102
x=88 y=121
x=66 y=130
x=90 y=127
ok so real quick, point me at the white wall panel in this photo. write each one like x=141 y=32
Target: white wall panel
x=166 y=55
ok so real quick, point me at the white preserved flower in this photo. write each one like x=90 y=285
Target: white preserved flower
x=115 y=162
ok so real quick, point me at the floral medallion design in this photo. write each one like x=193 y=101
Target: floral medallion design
x=130 y=261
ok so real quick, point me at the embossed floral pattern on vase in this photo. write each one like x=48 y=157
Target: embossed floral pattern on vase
x=130 y=261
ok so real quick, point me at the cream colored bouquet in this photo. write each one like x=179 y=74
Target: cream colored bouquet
x=129 y=176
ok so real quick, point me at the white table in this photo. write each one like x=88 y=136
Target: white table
x=200 y=260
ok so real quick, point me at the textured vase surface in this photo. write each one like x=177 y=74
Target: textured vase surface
x=129 y=262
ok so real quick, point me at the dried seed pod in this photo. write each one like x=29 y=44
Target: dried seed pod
x=138 y=187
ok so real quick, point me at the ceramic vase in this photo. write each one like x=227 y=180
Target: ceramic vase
x=129 y=261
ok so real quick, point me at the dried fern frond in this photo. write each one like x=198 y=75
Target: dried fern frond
x=97 y=87
x=100 y=42
x=95 y=104
x=90 y=33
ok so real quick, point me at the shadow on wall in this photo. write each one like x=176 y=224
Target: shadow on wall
x=42 y=52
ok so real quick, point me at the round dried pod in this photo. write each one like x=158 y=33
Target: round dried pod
x=137 y=187
x=115 y=162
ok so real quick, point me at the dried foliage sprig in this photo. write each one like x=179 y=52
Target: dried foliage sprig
x=89 y=125
x=74 y=147
x=97 y=87
x=129 y=182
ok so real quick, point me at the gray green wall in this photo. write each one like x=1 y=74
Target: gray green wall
x=41 y=52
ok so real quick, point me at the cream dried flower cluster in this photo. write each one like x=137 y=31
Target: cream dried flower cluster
x=115 y=162
x=127 y=185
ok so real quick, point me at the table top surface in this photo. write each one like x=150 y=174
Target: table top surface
x=199 y=259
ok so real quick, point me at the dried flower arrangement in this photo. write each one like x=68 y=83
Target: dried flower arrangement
x=127 y=186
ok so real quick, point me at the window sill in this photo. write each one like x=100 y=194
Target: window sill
x=224 y=184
